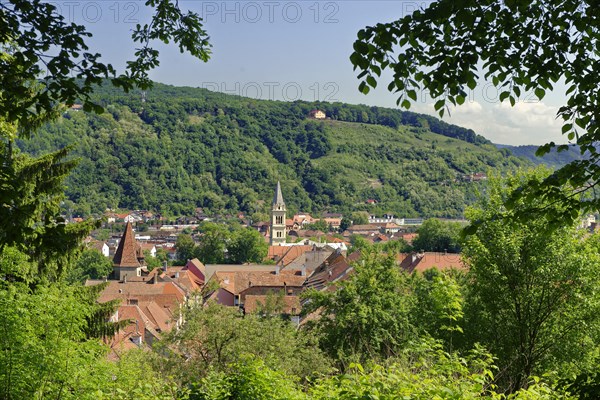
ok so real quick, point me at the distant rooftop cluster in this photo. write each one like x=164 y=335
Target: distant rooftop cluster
x=151 y=299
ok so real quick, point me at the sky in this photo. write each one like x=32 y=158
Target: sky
x=289 y=50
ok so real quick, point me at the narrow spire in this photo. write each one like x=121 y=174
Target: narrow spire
x=278 y=198
x=126 y=254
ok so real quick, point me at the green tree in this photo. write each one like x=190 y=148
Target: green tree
x=520 y=47
x=47 y=351
x=531 y=292
x=31 y=192
x=102 y=234
x=91 y=265
x=320 y=225
x=212 y=243
x=246 y=245
x=50 y=346
x=435 y=235
x=425 y=371
x=214 y=336
x=152 y=262
x=345 y=224
x=248 y=379
x=438 y=306
x=162 y=255
x=367 y=316
x=360 y=218
x=186 y=248
x=395 y=246
x=359 y=243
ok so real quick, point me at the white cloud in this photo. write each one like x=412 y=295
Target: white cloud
x=525 y=123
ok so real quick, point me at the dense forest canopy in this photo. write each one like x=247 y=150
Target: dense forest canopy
x=179 y=148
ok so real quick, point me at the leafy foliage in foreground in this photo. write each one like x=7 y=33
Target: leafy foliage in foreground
x=422 y=372
x=215 y=336
x=38 y=43
x=533 y=291
x=446 y=47
x=367 y=317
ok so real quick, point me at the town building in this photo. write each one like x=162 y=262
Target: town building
x=420 y=262
x=317 y=114
x=278 y=212
x=129 y=257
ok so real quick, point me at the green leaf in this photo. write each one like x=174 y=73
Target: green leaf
x=371 y=81
x=361 y=47
x=363 y=88
x=540 y=93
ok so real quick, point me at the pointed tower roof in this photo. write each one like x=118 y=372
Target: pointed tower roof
x=126 y=254
x=278 y=198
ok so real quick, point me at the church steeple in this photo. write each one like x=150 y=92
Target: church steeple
x=278 y=212
x=278 y=198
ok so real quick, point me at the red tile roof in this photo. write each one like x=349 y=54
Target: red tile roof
x=335 y=268
x=286 y=254
x=166 y=294
x=238 y=281
x=364 y=228
x=184 y=278
x=423 y=261
x=409 y=237
x=127 y=254
x=163 y=320
x=291 y=304
x=95 y=244
x=197 y=269
x=147 y=246
x=122 y=341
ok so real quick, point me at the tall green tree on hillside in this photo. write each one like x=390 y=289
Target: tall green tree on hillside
x=31 y=191
x=520 y=46
x=533 y=297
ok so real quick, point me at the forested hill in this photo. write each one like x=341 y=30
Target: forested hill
x=185 y=148
x=552 y=159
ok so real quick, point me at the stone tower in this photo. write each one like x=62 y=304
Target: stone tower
x=278 y=218
x=128 y=257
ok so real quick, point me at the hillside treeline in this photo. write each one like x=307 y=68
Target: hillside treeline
x=184 y=148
